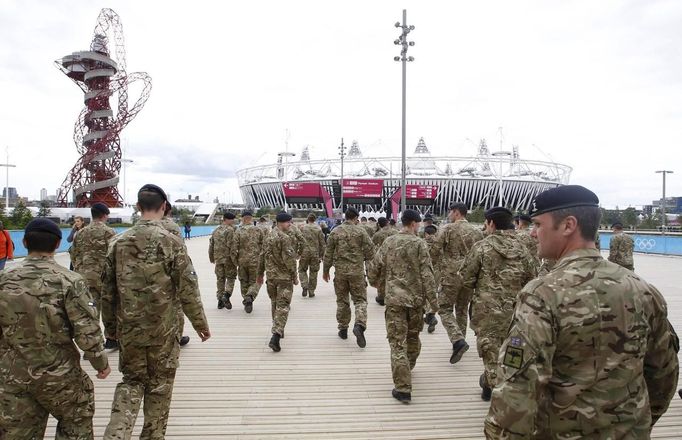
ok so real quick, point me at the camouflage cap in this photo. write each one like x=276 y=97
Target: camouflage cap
x=43 y=225
x=562 y=197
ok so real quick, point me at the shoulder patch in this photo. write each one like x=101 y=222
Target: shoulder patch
x=513 y=357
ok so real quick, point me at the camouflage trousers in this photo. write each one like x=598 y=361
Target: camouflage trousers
x=381 y=288
x=455 y=321
x=24 y=408
x=347 y=288
x=403 y=325
x=308 y=281
x=148 y=374
x=225 y=274
x=490 y=322
x=248 y=281
x=280 y=292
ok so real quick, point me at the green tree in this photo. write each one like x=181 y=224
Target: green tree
x=476 y=215
x=630 y=218
x=21 y=215
x=44 y=210
x=651 y=221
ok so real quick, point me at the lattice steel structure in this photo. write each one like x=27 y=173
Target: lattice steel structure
x=97 y=131
x=484 y=180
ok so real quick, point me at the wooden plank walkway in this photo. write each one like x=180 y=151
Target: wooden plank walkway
x=320 y=387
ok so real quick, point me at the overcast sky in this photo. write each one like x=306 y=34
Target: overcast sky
x=595 y=85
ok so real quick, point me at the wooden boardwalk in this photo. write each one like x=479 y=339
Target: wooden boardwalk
x=320 y=387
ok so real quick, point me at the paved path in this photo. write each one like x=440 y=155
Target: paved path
x=234 y=387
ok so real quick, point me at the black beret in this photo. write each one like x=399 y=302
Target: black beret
x=100 y=207
x=525 y=218
x=229 y=216
x=562 y=197
x=247 y=214
x=43 y=225
x=430 y=229
x=150 y=187
x=428 y=217
x=498 y=212
x=458 y=205
x=410 y=215
x=283 y=217
x=618 y=225
x=372 y=219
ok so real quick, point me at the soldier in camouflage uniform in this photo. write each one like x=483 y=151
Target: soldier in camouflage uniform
x=378 y=239
x=428 y=221
x=403 y=261
x=146 y=276
x=280 y=269
x=436 y=254
x=297 y=237
x=43 y=308
x=523 y=222
x=220 y=253
x=247 y=255
x=89 y=252
x=590 y=352
x=455 y=240
x=496 y=270
x=369 y=227
x=621 y=248
x=311 y=255
x=348 y=247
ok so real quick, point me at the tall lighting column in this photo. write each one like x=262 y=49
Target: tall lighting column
x=8 y=166
x=665 y=219
x=402 y=41
x=342 y=153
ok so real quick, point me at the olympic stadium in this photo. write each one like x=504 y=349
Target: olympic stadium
x=372 y=184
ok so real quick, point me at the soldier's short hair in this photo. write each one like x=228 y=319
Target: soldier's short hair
x=383 y=221
x=372 y=219
x=150 y=200
x=391 y=222
x=351 y=214
x=430 y=229
x=41 y=241
x=363 y=219
x=311 y=217
x=461 y=207
x=588 y=218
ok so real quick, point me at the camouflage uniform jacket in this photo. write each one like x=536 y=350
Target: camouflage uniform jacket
x=348 y=247
x=280 y=256
x=89 y=252
x=297 y=237
x=523 y=235
x=435 y=252
x=590 y=353
x=170 y=226
x=381 y=235
x=313 y=245
x=497 y=268
x=370 y=228
x=247 y=246
x=404 y=260
x=147 y=274
x=44 y=307
x=455 y=241
x=220 y=244
x=620 y=250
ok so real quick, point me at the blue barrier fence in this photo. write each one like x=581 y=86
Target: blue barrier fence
x=20 y=250
x=649 y=243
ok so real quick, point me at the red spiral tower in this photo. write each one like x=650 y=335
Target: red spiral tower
x=94 y=178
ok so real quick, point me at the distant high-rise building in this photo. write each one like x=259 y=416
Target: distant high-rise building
x=43 y=194
x=13 y=194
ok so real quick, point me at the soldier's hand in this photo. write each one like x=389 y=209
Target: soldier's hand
x=204 y=334
x=259 y=280
x=325 y=277
x=104 y=373
x=296 y=281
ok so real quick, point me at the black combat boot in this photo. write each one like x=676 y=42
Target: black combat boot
x=380 y=301
x=184 y=341
x=221 y=304
x=305 y=292
x=248 y=305
x=486 y=391
x=431 y=320
x=401 y=396
x=359 y=332
x=274 y=343
x=343 y=333
x=458 y=350
x=110 y=344
x=226 y=301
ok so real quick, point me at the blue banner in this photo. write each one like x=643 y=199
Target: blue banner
x=649 y=243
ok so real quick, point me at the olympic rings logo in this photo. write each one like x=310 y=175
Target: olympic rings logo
x=645 y=243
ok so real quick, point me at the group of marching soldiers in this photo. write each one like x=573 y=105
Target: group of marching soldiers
x=572 y=345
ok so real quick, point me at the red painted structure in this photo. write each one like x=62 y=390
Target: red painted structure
x=95 y=176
